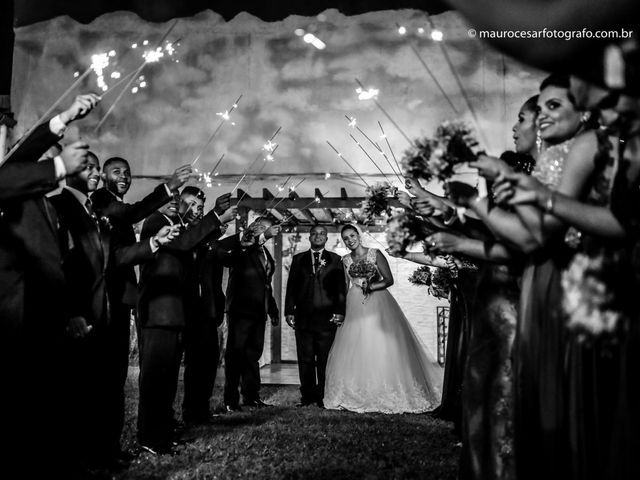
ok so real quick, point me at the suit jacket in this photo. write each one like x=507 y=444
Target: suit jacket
x=249 y=291
x=164 y=282
x=123 y=284
x=88 y=253
x=207 y=297
x=312 y=295
x=33 y=290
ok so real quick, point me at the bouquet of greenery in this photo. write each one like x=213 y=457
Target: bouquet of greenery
x=441 y=283
x=421 y=276
x=436 y=158
x=405 y=230
x=377 y=200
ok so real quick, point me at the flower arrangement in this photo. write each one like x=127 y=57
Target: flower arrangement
x=377 y=200
x=587 y=301
x=405 y=230
x=453 y=144
x=421 y=276
x=364 y=270
x=441 y=283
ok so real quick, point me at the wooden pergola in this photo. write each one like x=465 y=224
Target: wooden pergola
x=301 y=213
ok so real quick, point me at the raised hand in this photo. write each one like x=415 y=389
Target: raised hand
x=490 y=167
x=228 y=215
x=74 y=157
x=444 y=242
x=223 y=203
x=78 y=328
x=405 y=199
x=166 y=234
x=80 y=107
x=179 y=177
x=272 y=231
x=518 y=189
x=414 y=186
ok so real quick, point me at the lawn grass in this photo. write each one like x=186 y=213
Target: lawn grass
x=285 y=442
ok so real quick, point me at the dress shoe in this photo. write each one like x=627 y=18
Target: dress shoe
x=255 y=404
x=169 y=449
x=304 y=404
x=232 y=408
x=320 y=403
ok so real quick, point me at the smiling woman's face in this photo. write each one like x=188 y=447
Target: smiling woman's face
x=351 y=239
x=558 y=119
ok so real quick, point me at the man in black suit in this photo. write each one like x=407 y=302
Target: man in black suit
x=122 y=282
x=249 y=302
x=205 y=313
x=34 y=295
x=89 y=252
x=161 y=314
x=315 y=301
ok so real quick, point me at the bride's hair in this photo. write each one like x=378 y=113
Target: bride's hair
x=349 y=227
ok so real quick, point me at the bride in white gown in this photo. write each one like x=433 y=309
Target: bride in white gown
x=377 y=363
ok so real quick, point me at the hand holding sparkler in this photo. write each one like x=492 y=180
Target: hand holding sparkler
x=228 y=215
x=179 y=177
x=80 y=107
x=166 y=234
x=223 y=203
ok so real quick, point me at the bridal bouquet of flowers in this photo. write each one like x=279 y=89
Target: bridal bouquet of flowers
x=364 y=270
x=453 y=144
x=587 y=300
x=377 y=198
x=405 y=230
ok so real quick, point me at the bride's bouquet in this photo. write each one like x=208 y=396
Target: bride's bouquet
x=366 y=271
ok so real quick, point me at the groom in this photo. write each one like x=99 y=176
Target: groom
x=316 y=292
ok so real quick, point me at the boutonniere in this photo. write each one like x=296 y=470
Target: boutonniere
x=322 y=263
x=105 y=222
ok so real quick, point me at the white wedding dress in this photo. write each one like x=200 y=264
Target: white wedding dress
x=377 y=363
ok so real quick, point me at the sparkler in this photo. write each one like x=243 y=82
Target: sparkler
x=384 y=135
x=316 y=200
x=269 y=147
x=372 y=160
x=213 y=170
x=150 y=56
x=353 y=124
x=280 y=189
x=345 y=161
x=383 y=111
x=97 y=64
x=225 y=116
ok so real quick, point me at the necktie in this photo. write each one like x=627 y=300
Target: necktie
x=316 y=261
x=263 y=258
x=92 y=214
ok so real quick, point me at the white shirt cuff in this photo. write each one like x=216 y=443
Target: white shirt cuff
x=61 y=171
x=261 y=239
x=154 y=245
x=169 y=192
x=57 y=126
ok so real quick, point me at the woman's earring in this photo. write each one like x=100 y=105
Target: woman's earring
x=538 y=141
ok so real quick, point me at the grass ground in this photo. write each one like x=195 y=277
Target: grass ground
x=285 y=442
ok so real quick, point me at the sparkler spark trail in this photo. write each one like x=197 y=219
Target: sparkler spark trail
x=386 y=114
x=46 y=114
x=134 y=77
x=384 y=135
x=255 y=161
x=213 y=170
x=280 y=190
x=353 y=124
x=225 y=117
x=345 y=161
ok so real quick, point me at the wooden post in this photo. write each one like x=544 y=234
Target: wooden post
x=276 y=332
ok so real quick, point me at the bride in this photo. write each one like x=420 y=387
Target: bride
x=377 y=363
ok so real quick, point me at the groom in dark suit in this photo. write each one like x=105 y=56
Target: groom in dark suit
x=315 y=301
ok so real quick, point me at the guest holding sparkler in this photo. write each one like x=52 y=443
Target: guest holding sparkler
x=161 y=309
x=122 y=281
